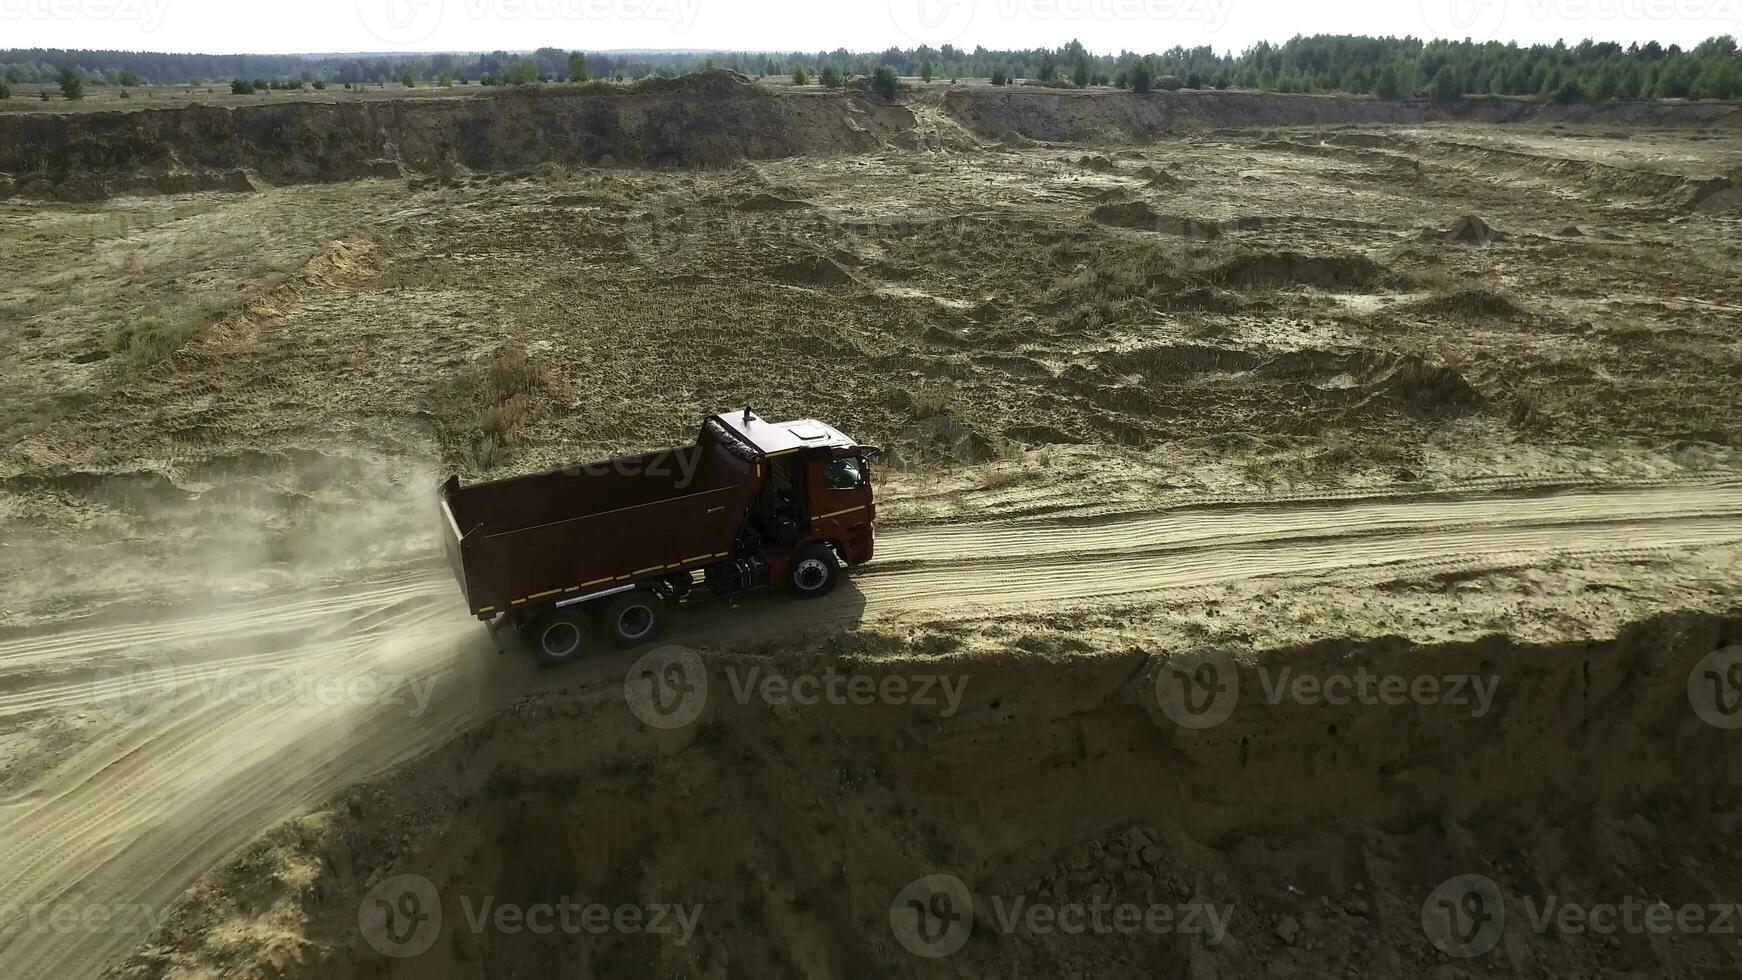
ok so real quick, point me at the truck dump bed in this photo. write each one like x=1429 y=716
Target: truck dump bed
x=581 y=529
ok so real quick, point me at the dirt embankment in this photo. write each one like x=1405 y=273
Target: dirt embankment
x=709 y=119
x=1317 y=832
x=1083 y=117
x=712 y=118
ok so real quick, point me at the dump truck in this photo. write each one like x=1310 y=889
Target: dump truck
x=616 y=546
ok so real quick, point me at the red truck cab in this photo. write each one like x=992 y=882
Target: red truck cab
x=819 y=477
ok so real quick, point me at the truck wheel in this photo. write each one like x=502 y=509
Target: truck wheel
x=813 y=572
x=633 y=617
x=555 y=638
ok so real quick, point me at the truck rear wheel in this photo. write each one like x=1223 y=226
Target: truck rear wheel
x=555 y=638
x=813 y=572
x=633 y=617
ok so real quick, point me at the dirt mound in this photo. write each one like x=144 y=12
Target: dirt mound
x=1095 y=162
x=1159 y=179
x=1430 y=390
x=812 y=270
x=1467 y=230
x=1282 y=269
x=1468 y=302
x=1301 y=836
x=1140 y=216
x=1718 y=195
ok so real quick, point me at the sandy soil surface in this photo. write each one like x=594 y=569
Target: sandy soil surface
x=161 y=747
x=1449 y=396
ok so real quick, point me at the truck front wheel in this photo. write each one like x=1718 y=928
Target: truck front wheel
x=555 y=638
x=633 y=617
x=813 y=572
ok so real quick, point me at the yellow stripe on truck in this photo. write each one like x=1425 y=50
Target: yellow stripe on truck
x=838 y=513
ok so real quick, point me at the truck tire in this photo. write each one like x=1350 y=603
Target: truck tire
x=633 y=618
x=555 y=638
x=813 y=571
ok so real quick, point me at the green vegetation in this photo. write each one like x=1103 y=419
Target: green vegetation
x=885 y=81
x=831 y=77
x=1388 y=87
x=801 y=77
x=500 y=395
x=240 y=87
x=1448 y=87
x=1142 y=78
x=1080 y=74
x=925 y=72
x=5 y=89
x=1387 y=67
x=152 y=337
x=127 y=78
x=72 y=83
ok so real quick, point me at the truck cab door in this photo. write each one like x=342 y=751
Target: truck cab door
x=841 y=507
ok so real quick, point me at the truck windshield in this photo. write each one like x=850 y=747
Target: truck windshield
x=844 y=474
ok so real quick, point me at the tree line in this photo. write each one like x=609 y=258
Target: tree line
x=1386 y=67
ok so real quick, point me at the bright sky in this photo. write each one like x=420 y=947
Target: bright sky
x=283 y=26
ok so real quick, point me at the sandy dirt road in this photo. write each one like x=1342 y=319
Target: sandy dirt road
x=213 y=724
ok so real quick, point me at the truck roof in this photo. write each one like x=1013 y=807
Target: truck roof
x=774 y=438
